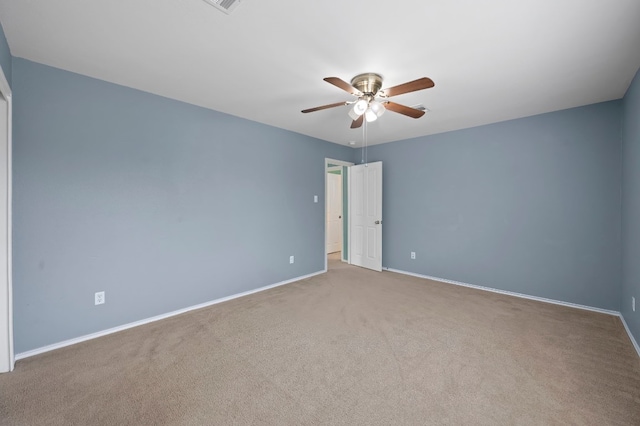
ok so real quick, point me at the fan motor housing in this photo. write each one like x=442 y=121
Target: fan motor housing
x=368 y=83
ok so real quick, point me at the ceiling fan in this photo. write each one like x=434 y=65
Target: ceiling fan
x=371 y=102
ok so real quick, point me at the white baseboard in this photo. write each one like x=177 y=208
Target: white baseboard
x=509 y=293
x=95 y=335
x=526 y=296
x=633 y=340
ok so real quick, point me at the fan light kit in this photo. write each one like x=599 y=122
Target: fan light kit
x=372 y=102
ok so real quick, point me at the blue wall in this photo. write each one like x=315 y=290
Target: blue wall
x=165 y=205
x=5 y=56
x=530 y=205
x=631 y=206
x=161 y=204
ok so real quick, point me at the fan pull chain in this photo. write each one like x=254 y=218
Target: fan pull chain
x=364 y=142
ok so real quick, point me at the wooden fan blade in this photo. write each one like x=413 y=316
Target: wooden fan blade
x=412 y=86
x=357 y=122
x=337 y=104
x=404 y=110
x=343 y=85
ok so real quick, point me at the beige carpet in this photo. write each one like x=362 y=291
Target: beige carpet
x=350 y=347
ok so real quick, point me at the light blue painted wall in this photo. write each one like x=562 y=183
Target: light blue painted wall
x=631 y=206
x=161 y=204
x=530 y=205
x=5 y=56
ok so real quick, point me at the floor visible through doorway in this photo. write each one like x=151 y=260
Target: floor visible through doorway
x=335 y=256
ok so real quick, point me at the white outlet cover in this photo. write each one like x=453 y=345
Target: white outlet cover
x=99 y=298
x=291 y=259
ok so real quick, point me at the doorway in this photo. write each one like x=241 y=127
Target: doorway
x=336 y=210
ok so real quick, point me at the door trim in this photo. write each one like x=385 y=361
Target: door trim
x=6 y=283
x=328 y=161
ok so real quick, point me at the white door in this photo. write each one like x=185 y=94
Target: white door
x=6 y=328
x=365 y=213
x=334 y=212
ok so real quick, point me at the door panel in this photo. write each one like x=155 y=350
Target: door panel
x=371 y=243
x=365 y=199
x=357 y=240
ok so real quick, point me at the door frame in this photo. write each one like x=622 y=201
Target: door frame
x=329 y=171
x=328 y=161
x=6 y=283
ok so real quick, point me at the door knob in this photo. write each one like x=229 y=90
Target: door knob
x=378 y=222
x=339 y=217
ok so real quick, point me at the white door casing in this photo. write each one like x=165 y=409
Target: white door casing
x=6 y=314
x=334 y=212
x=328 y=162
x=365 y=215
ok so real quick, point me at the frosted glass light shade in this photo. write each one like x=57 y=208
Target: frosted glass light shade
x=370 y=115
x=360 y=107
x=377 y=108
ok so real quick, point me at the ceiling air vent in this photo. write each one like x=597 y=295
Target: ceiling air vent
x=226 y=6
x=421 y=108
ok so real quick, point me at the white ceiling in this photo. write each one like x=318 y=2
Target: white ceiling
x=491 y=60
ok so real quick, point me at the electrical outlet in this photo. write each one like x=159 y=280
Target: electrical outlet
x=291 y=259
x=99 y=298
x=413 y=255
x=633 y=303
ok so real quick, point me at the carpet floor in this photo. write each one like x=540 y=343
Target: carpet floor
x=349 y=347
